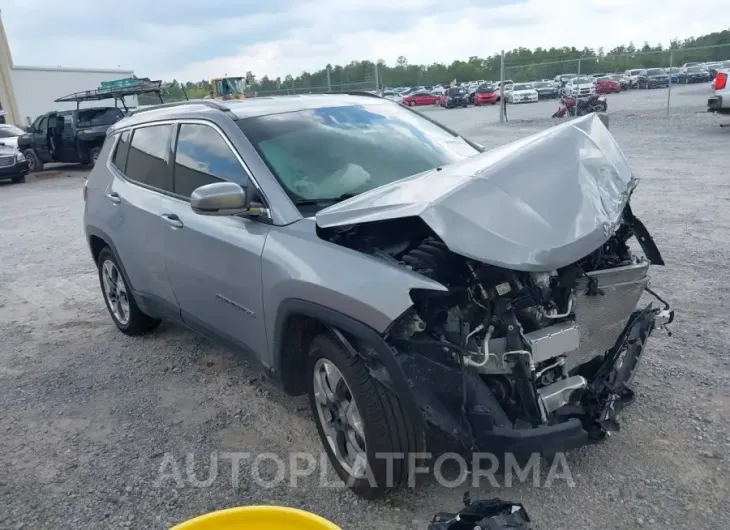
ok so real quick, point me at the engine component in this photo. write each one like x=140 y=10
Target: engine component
x=430 y=258
x=554 y=396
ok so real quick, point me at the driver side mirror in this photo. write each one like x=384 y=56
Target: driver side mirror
x=220 y=199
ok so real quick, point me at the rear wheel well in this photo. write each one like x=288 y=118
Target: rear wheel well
x=97 y=244
x=297 y=334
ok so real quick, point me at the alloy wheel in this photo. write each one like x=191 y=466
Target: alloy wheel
x=339 y=418
x=115 y=292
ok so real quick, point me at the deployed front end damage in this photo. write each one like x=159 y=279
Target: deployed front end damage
x=536 y=342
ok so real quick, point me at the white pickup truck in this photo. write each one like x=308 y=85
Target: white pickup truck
x=719 y=102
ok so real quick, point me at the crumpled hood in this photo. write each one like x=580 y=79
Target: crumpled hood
x=537 y=204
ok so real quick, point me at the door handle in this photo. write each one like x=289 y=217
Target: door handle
x=173 y=220
x=114 y=197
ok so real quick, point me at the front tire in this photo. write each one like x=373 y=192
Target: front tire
x=94 y=153
x=357 y=418
x=120 y=303
x=18 y=180
x=34 y=163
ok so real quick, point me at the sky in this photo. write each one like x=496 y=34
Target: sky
x=200 y=39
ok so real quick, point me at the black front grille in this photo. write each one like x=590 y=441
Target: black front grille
x=7 y=160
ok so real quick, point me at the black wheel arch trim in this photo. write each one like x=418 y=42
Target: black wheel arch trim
x=386 y=369
x=96 y=232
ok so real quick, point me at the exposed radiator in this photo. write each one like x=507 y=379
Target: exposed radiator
x=602 y=318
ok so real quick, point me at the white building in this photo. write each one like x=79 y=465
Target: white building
x=26 y=92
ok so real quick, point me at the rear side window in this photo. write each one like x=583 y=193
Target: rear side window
x=203 y=157
x=120 y=155
x=147 y=158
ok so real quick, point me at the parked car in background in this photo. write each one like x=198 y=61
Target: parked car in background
x=562 y=79
x=712 y=68
x=438 y=90
x=71 y=136
x=13 y=165
x=9 y=135
x=633 y=76
x=419 y=98
x=687 y=65
x=673 y=74
x=456 y=97
x=653 y=78
x=393 y=96
x=694 y=74
x=546 y=89
x=486 y=94
x=621 y=79
x=579 y=86
x=521 y=93
x=607 y=85
x=720 y=100
x=507 y=85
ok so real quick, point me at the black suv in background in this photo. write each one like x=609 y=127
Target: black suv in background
x=653 y=78
x=71 y=136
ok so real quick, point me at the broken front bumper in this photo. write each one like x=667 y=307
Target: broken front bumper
x=472 y=420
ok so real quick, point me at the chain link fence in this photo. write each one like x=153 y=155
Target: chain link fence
x=690 y=72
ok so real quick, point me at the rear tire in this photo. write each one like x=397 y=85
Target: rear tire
x=385 y=426
x=122 y=307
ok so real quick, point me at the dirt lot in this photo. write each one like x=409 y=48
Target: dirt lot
x=87 y=414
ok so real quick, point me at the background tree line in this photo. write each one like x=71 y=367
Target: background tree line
x=521 y=64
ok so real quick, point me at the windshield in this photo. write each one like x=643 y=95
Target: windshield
x=634 y=72
x=655 y=71
x=521 y=86
x=542 y=84
x=483 y=89
x=694 y=69
x=230 y=86
x=582 y=80
x=456 y=91
x=320 y=155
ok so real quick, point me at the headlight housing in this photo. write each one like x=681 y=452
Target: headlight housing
x=20 y=157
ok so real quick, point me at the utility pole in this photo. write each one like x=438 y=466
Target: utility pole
x=329 y=81
x=669 y=87
x=502 y=103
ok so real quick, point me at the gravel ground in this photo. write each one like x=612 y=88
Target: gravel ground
x=88 y=416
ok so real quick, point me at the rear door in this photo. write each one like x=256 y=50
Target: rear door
x=214 y=263
x=140 y=164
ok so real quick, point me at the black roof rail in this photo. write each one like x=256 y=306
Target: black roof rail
x=211 y=103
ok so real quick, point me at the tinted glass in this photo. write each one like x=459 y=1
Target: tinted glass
x=655 y=71
x=521 y=87
x=542 y=85
x=694 y=69
x=327 y=152
x=100 y=116
x=120 y=155
x=483 y=89
x=146 y=162
x=203 y=157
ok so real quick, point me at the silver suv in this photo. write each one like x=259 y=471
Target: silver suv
x=426 y=294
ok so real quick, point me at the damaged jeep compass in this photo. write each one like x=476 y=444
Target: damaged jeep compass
x=427 y=294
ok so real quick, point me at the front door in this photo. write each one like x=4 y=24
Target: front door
x=41 y=145
x=214 y=263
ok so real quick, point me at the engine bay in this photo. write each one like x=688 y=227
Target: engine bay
x=536 y=339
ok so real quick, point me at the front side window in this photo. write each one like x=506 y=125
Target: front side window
x=147 y=158
x=203 y=157
x=322 y=155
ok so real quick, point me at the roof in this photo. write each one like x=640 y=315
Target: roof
x=248 y=108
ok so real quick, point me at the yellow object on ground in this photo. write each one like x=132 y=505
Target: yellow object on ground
x=258 y=518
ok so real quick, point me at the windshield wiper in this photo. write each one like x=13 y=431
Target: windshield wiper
x=324 y=200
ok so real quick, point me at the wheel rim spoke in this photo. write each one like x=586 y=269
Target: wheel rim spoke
x=339 y=418
x=115 y=292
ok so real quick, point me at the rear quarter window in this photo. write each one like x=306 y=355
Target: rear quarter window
x=121 y=151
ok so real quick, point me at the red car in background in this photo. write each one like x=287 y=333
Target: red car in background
x=419 y=98
x=486 y=94
x=606 y=85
